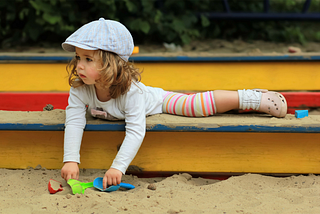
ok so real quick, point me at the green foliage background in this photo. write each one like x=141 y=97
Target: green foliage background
x=48 y=22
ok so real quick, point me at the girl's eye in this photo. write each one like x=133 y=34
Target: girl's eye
x=88 y=59
x=77 y=57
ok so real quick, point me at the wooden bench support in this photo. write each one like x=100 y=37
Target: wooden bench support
x=201 y=152
x=217 y=144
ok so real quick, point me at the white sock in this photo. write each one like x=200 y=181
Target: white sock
x=249 y=99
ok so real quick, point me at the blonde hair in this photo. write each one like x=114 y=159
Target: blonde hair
x=115 y=74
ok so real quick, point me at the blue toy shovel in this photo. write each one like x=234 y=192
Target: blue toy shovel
x=97 y=183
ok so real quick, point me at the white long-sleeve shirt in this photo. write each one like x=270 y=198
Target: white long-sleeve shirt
x=133 y=107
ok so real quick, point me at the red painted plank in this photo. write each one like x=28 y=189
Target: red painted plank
x=12 y=101
x=302 y=99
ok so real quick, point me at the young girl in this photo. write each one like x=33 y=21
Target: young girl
x=106 y=85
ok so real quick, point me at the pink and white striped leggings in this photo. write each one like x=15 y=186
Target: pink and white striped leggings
x=191 y=105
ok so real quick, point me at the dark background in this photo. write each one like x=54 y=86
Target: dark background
x=46 y=23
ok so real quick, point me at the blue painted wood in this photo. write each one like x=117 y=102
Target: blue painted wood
x=266 y=6
x=30 y=127
x=224 y=58
x=262 y=16
x=306 y=6
x=65 y=59
x=226 y=6
x=14 y=59
x=252 y=16
x=120 y=126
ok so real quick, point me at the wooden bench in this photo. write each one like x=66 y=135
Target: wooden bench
x=221 y=144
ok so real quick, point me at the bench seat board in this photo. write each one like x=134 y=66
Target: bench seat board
x=197 y=152
x=246 y=143
x=54 y=121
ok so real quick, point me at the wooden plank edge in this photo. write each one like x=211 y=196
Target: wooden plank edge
x=9 y=58
x=165 y=128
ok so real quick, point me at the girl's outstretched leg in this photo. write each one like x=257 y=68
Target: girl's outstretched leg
x=220 y=101
x=226 y=100
x=191 y=105
x=269 y=102
x=200 y=104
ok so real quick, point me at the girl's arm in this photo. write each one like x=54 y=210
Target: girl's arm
x=135 y=118
x=74 y=125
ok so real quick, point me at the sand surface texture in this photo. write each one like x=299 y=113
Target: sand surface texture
x=201 y=48
x=25 y=191
x=58 y=117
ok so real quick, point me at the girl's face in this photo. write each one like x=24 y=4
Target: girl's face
x=88 y=65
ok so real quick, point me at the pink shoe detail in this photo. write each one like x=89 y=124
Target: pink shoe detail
x=273 y=103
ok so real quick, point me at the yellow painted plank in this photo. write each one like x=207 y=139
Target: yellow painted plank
x=34 y=77
x=20 y=149
x=233 y=75
x=172 y=151
x=200 y=76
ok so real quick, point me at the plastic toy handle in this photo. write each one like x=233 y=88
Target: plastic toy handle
x=127 y=186
x=87 y=185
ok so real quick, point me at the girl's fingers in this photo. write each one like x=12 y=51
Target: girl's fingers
x=114 y=181
x=75 y=176
x=118 y=180
x=105 y=182
x=70 y=176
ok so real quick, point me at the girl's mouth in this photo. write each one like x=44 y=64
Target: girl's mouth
x=82 y=76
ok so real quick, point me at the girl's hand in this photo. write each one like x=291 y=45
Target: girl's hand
x=70 y=170
x=112 y=177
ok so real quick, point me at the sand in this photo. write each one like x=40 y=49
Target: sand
x=200 y=48
x=25 y=191
x=57 y=116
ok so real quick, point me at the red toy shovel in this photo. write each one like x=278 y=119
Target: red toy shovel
x=54 y=186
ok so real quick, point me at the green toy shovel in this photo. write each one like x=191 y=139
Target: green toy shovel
x=79 y=187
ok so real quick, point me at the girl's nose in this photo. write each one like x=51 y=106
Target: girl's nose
x=80 y=65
